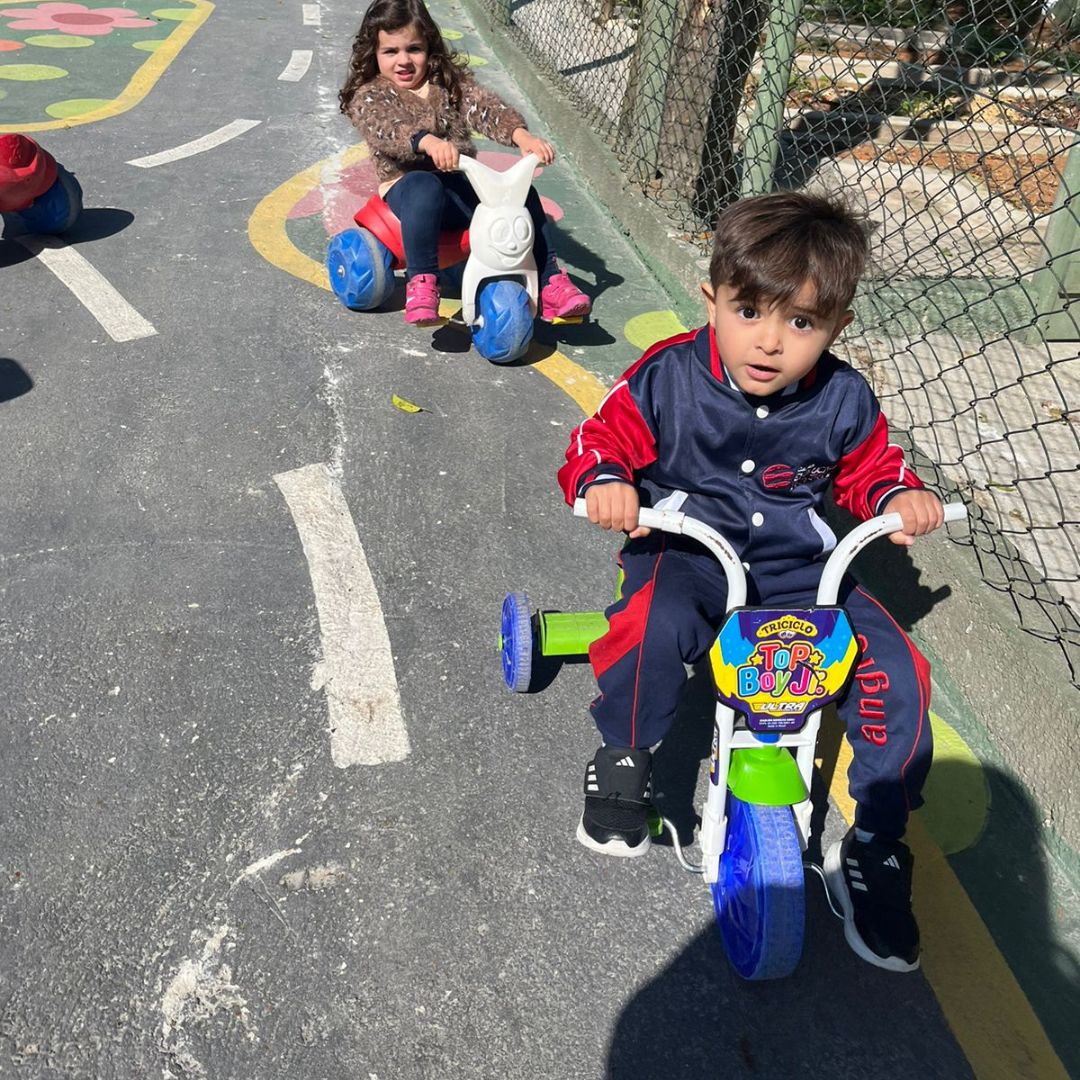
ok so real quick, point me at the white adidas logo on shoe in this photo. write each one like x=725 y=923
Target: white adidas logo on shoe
x=892 y=861
x=626 y=761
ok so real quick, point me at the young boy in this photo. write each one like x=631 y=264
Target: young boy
x=745 y=423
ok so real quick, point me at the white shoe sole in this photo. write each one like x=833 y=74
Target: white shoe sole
x=834 y=877
x=619 y=848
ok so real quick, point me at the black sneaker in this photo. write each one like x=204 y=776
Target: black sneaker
x=871 y=881
x=617 y=797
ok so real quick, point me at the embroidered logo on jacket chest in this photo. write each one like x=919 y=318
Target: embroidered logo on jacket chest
x=787 y=478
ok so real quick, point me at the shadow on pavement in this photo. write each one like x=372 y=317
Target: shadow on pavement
x=14 y=381
x=696 y=1018
x=98 y=223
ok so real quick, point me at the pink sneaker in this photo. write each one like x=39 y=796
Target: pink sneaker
x=422 y=300
x=562 y=299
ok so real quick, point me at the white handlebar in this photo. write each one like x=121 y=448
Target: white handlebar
x=674 y=521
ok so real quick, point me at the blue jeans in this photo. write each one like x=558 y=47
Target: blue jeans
x=427 y=203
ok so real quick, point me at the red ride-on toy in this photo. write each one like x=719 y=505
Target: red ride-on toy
x=499 y=282
x=37 y=195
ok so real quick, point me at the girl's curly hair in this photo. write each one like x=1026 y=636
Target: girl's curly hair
x=445 y=68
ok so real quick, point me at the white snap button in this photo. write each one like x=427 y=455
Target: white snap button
x=746 y=566
x=748 y=466
x=762 y=411
x=758 y=519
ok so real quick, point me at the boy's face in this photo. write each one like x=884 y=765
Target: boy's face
x=766 y=349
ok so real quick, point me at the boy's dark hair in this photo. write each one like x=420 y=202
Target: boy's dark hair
x=445 y=68
x=767 y=246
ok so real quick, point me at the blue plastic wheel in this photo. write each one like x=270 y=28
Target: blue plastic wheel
x=759 y=897
x=505 y=324
x=53 y=212
x=516 y=642
x=361 y=269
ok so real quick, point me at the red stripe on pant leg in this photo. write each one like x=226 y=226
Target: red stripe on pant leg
x=922 y=678
x=626 y=628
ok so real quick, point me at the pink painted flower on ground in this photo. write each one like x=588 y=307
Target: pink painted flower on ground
x=75 y=19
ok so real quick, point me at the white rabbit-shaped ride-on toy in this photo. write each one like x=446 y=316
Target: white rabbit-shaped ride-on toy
x=499 y=286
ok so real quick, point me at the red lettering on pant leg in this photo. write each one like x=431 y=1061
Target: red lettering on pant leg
x=872 y=682
x=871 y=708
x=875 y=733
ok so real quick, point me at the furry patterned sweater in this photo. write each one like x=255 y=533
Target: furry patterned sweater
x=388 y=118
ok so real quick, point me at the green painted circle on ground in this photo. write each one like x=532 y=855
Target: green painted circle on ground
x=177 y=14
x=30 y=72
x=63 y=110
x=476 y=61
x=452 y=35
x=60 y=41
x=149 y=46
x=956 y=792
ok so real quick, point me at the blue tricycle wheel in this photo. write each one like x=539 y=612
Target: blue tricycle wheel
x=516 y=642
x=759 y=897
x=54 y=211
x=505 y=321
x=360 y=268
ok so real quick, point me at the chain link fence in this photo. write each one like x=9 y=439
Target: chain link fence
x=954 y=129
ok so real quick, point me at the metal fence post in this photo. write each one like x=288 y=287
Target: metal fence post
x=762 y=139
x=653 y=58
x=1058 y=283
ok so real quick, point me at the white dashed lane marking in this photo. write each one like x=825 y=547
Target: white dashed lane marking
x=357 y=668
x=196 y=146
x=297 y=66
x=118 y=318
x=312 y=15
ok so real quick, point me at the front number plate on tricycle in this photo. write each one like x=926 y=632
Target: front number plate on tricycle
x=777 y=666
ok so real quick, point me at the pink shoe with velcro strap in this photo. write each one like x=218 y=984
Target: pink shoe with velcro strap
x=560 y=298
x=422 y=300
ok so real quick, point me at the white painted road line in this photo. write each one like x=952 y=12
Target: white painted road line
x=197 y=146
x=117 y=317
x=357 y=669
x=312 y=15
x=297 y=67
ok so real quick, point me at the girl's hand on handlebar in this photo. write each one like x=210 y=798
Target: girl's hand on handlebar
x=444 y=154
x=528 y=143
x=921 y=512
x=615 y=506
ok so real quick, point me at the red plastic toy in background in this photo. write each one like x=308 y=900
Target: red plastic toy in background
x=36 y=194
x=26 y=171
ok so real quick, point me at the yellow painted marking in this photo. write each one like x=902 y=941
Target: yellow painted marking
x=266 y=226
x=141 y=82
x=983 y=1003
x=645 y=330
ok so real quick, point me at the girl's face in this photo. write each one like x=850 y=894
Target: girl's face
x=403 y=57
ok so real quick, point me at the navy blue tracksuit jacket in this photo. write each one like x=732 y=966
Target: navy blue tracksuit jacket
x=757 y=469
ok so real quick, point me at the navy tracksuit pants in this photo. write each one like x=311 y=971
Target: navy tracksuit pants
x=672 y=605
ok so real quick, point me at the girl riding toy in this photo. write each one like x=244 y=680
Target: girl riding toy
x=774 y=669
x=37 y=195
x=499 y=286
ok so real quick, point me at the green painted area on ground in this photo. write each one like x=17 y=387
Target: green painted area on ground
x=99 y=58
